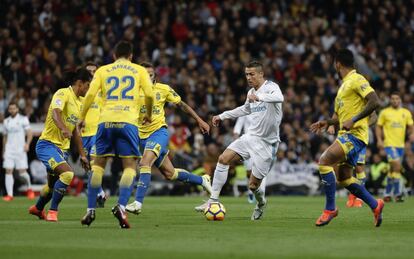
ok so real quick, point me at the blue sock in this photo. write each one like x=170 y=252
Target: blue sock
x=396 y=184
x=142 y=186
x=388 y=187
x=187 y=177
x=92 y=193
x=59 y=190
x=125 y=193
x=361 y=192
x=43 y=200
x=329 y=182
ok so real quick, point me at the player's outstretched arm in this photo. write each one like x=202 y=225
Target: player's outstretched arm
x=57 y=119
x=78 y=141
x=371 y=106
x=204 y=127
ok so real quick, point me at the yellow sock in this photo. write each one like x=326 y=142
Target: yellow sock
x=97 y=174
x=127 y=177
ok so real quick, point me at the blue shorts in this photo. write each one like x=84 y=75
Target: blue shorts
x=394 y=153
x=352 y=147
x=157 y=142
x=361 y=156
x=89 y=145
x=117 y=139
x=50 y=155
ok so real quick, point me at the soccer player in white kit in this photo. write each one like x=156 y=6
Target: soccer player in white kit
x=241 y=127
x=16 y=142
x=260 y=143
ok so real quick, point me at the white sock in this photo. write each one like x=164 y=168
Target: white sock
x=220 y=178
x=263 y=186
x=259 y=195
x=89 y=209
x=9 y=182
x=26 y=177
x=122 y=207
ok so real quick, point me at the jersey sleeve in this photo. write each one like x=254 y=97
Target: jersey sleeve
x=94 y=87
x=59 y=100
x=146 y=83
x=381 y=118
x=26 y=123
x=362 y=87
x=409 y=118
x=172 y=96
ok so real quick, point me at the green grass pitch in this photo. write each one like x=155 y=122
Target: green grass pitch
x=170 y=228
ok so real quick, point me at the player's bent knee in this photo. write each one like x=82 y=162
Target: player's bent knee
x=253 y=186
x=66 y=177
x=224 y=159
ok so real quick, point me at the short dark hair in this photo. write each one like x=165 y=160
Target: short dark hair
x=82 y=74
x=147 y=64
x=123 y=49
x=395 y=93
x=256 y=64
x=345 y=57
x=13 y=103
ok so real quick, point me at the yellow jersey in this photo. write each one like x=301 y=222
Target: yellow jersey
x=120 y=83
x=70 y=105
x=163 y=94
x=350 y=101
x=92 y=117
x=394 y=123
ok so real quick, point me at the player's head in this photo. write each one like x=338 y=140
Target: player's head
x=91 y=67
x=395 y=100
x=79 y=80
x=344 y=58
x=150 y=69
x=123 y=50
x=254 y=74
x=13 y=109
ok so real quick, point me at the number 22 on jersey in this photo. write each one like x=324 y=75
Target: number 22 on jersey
x=125 y=84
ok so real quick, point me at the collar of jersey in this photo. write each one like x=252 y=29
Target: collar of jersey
x=353 y=71
x=121 y=59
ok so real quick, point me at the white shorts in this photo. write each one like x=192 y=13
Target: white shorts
x=261 y=153
x=15 y=161
x=248 y=164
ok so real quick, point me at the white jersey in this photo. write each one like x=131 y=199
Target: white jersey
x=15 y=129
x=265 y=114
x=242 y=125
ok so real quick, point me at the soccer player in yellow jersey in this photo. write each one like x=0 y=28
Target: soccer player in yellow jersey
x=120 y=83
x=53 y=145
x=89 y=132
x=154 y=140
x=355 y=101
x=391 y=127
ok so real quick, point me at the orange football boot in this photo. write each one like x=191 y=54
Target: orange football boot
x=326 y=217
x=36 y=212
x=378 y=213
x=52 y=215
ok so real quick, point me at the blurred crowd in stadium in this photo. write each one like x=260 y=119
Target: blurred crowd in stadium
x=200 y=48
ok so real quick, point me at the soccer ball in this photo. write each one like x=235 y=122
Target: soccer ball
x=215 y=211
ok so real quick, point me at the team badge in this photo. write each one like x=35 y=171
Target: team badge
x=158 y=96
